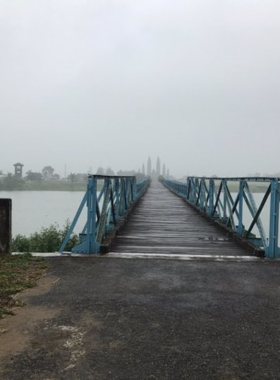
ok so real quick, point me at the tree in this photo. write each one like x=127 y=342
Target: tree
x=33 y=176
x=72 y=177
x=12 y=182
x=56 y=177
x=48 y=172
x=109 y=171
x=100 y=171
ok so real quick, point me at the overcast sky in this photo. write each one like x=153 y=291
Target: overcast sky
x=91 y=83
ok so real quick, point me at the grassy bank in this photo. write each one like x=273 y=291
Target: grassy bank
x=48 y=239
x=17 y=273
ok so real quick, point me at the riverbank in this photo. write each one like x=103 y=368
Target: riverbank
x=82 y=186
x=54 y=186
x=50 y=186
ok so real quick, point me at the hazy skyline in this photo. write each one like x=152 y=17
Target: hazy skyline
x=109 y=83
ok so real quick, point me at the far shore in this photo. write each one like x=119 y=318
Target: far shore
x=82 y=186
x=51 y=186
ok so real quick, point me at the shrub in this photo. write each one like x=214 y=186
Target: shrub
x=46 y=240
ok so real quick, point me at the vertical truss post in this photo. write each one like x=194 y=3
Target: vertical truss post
x=73 y=224
x=224 y=182
x=210 y=207
x=240 y=226
x=116 y=198
x=102 y=225
x=134 y=188
x=91 y=219
x=272 y=251
x=188 y=188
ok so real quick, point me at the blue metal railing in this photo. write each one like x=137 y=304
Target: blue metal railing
x=215 y=198
x=105 y=209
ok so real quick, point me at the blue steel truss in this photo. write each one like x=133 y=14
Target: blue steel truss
x=105 y=209
x=213 y=197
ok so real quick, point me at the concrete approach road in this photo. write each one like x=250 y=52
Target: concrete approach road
x=128 y=319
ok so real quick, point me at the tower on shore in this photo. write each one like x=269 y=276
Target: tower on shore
x=18 y=169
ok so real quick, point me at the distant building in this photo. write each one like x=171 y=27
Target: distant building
x=149 y=166
x=18 y=169
x=158 y=167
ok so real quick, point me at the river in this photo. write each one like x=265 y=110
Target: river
x=33 y=210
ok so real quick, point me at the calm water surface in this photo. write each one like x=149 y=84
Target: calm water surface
x=32 y=210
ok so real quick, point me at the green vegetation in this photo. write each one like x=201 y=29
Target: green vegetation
x=17 y=272
x=46 y=240
x=11 y=182
x=54 y=186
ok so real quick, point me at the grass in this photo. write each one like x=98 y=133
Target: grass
x=17 y=273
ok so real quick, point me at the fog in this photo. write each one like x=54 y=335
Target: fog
x=108 y=83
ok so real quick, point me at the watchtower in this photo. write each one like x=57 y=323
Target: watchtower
x=18 y=169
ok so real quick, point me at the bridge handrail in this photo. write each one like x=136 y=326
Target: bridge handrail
x=212 y=196
x=104 y=210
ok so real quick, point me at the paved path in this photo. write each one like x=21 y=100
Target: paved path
x=146 y=319
x=163 y=223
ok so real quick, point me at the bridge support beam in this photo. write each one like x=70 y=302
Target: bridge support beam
x=272 y=251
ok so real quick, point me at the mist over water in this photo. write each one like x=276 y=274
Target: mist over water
x=89 y=84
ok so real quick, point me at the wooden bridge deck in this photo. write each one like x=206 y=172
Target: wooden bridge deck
x=162 y=223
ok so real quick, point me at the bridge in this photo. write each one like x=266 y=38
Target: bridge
x=202 y=217
x=216 y=318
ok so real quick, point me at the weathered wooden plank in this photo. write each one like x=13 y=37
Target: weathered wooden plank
x=163 y=223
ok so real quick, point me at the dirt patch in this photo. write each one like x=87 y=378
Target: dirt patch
x=17 y=272
x=15 y=331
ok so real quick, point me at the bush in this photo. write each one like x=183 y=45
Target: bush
x=46 y=240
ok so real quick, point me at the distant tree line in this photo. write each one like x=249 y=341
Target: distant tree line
x=11 y=182
x=14 y=182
